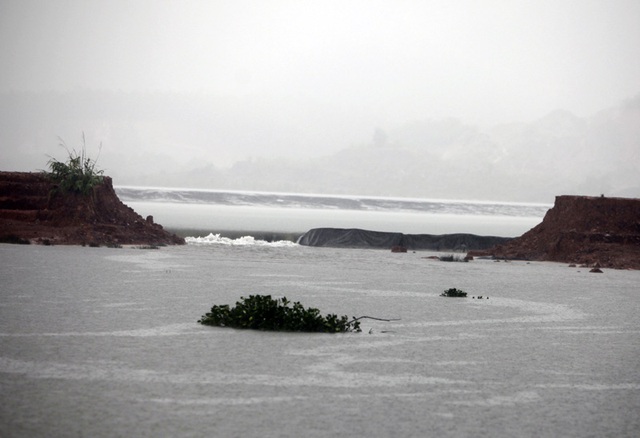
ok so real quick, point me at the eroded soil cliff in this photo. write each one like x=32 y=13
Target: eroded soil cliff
x=31 y=209
x=581 y=230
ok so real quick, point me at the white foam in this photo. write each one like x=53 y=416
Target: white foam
x=216 y=239
x=335 y=378
x=535 y=312
x=226 y=401
x=503 y=400
x=166 y=330
x=592 y=386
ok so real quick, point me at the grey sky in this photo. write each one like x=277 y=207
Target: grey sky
x=482 y=61
x=244 y=79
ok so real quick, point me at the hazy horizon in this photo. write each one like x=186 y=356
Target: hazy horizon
x=492 y=100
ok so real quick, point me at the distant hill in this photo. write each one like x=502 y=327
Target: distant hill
x=224 y=144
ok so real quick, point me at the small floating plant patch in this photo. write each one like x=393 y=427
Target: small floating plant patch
x=261 y=312
x=453 y=292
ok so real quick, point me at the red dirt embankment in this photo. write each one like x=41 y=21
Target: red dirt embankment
x=32 y=210
x=581 y=230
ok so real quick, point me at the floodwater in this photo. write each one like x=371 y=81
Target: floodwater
x=104 y=342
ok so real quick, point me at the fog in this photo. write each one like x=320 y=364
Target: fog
x=491 y=100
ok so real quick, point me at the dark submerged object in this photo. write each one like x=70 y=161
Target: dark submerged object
x=358 y=238
x=453 y=292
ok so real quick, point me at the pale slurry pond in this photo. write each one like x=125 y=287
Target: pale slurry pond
x=104 y=342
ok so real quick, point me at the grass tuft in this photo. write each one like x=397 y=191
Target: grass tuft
x=78 y=174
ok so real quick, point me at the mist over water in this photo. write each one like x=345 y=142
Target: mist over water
x=147 y=141
x=509 y=101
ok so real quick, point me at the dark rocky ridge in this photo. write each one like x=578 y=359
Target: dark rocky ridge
x=581 y=230
x=357 y=238
x=31 y=210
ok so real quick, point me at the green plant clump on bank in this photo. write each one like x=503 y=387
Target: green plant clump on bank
x=261 y=312
x=78 y=174
x=453 y=292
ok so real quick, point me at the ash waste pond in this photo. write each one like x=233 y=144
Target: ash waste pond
x=104 y=342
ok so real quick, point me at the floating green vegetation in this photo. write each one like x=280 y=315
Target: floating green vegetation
x=453 y=292
x=78 y=174
x=261 y=312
